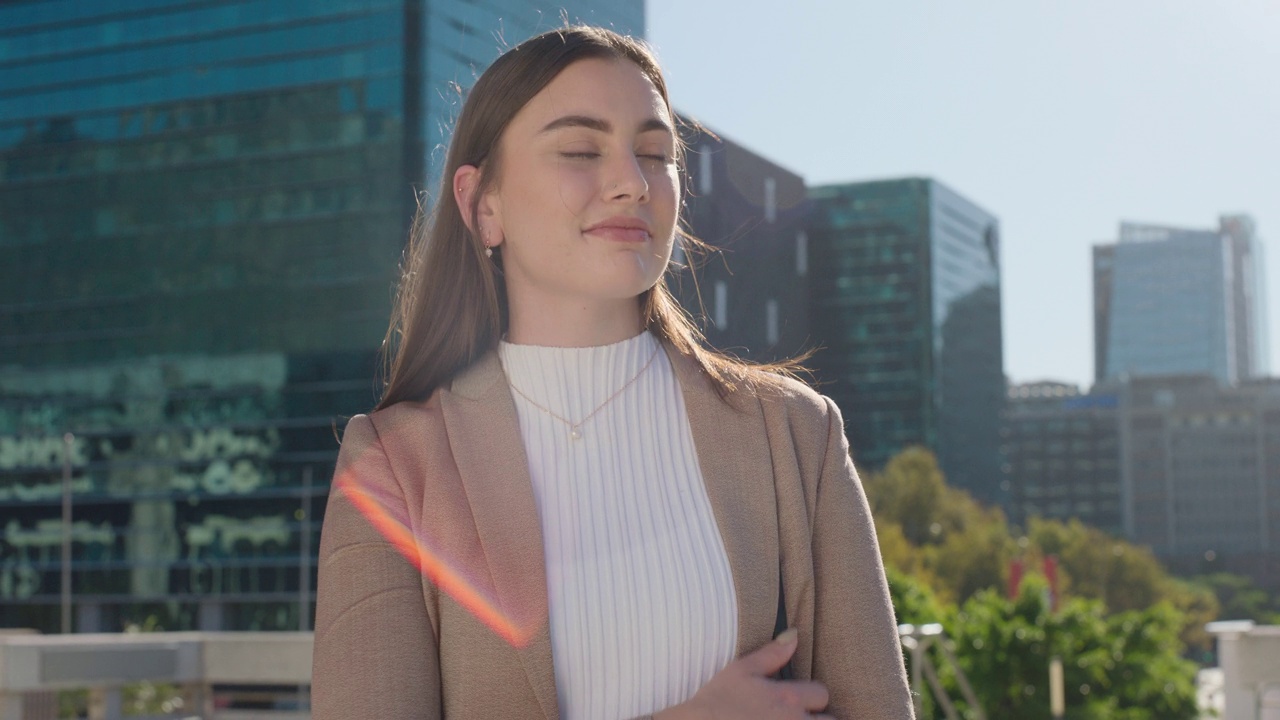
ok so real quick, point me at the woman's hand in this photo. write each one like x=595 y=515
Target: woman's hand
x=744 y=689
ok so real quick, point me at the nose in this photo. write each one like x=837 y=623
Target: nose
x=627 y=180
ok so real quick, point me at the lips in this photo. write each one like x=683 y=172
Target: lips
x=621 y=229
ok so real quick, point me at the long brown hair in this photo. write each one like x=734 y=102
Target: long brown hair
x=451 y=306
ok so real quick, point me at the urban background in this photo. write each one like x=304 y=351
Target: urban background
x=203 y=205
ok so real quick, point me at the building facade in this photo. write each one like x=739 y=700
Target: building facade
x=1201 y=474
x=1180 y=463
x=202 y=210
x=1173 y=301
x=905 y=300
x=749 y=293
x=1061 y=452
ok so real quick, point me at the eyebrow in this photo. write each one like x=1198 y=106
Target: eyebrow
x=600 y=125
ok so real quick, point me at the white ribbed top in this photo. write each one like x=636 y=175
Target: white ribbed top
x=642 y=604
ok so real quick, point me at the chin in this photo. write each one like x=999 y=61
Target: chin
x=626 y=284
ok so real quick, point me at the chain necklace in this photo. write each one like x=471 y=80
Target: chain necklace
x=575 y=428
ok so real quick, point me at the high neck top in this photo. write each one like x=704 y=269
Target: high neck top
x=573 y=382
x=641 y=597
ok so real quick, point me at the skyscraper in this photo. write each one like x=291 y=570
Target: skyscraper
x=752 y=293
x=202 y=209
x=1171 y=301
x=905 y=296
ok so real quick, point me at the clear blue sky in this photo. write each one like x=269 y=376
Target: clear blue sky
x=1061 y=118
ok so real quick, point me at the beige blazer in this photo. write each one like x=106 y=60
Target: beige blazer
x=452 y=473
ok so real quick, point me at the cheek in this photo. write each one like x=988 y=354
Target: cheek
x=664 y=191
x=548 y=194
x=572 y=188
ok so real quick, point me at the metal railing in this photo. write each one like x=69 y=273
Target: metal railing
x=203 y=665
x=916 y=640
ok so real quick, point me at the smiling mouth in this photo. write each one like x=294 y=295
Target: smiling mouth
x=620 y=234
x=621 y=229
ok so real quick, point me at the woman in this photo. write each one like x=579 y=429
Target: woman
x=564 y=506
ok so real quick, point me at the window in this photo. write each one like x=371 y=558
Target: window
x=704 y=170
x=771 y=322
x=802 y=254
x=722 y=305
x=770 y=199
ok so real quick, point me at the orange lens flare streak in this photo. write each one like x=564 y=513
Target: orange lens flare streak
x=432 y=565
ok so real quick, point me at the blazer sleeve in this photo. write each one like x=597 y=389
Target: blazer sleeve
x=857 y=654
x=376 y=654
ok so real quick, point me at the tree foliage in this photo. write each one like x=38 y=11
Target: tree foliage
x=1122 y=625
x=1240 y=599
x=1122 y=666
x=935 y=532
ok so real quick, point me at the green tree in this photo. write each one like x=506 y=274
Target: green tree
x=1125 y=577
x=1099 y=566
x=913 y=601
x=938 y=533
x=910 y=492
x=1122 y=625
x=1147 y=676
x=1240 y=599
x=1121 y=667
x=971 y=558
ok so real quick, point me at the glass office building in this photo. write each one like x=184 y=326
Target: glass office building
x=1171 y=301
x=905 y=297
x=202 y=209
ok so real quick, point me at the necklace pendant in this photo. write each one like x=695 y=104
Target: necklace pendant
x=575 y=433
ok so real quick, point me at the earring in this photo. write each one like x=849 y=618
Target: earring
x=488 y=250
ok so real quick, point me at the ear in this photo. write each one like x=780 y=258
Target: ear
x=466 y=182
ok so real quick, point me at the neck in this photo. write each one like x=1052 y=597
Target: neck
x=573 y=322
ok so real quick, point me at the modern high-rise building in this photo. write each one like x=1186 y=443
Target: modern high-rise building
x=751 y=292
x=1061 y=454
x=1171 y=301
x=202 y=210
x=905 y=302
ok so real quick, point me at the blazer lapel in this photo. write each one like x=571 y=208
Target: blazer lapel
x=738 y=471
x=484 y=435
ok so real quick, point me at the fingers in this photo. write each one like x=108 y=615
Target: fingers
x=770 y=658
x=805 y=694
x=751 y=676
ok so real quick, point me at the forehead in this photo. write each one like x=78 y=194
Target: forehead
x=615 y=90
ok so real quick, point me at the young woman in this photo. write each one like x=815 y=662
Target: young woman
x=565 y=505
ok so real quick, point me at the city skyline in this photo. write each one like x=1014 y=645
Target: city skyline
x=1064 y=121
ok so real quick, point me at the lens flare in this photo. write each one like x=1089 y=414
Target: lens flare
x=430 y=563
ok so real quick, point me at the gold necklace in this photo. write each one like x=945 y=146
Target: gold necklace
x=575 y=428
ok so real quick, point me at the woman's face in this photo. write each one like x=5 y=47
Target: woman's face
x=585 y=203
